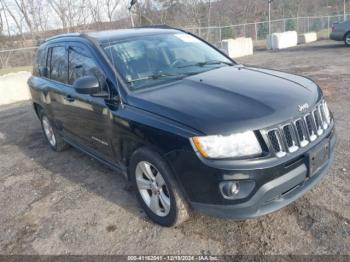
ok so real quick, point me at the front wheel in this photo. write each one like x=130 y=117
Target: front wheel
x=347 y=39
x=156 y=189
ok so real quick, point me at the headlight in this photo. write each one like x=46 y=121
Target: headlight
x=236 y=145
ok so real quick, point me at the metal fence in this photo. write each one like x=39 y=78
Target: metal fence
x=259 y=30
x=214 y=34
x=17 y=57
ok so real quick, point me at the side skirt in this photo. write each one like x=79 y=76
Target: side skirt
x=117 y=168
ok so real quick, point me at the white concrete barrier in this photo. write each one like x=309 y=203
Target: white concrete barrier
x=307 y=38
x=13 y=87
x=278 y=41
x=238 y=47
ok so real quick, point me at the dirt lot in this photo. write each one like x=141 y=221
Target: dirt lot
x=18 y=91
x=67 y=203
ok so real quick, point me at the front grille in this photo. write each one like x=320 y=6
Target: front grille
x=290 y=137
x=276 y=142
x=311 y=128
x=302 y=132
x=318 y=121
x=299 y=133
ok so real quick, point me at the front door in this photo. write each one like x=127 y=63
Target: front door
x=90 y=118
x=85 y=118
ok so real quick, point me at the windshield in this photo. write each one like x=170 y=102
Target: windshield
x=158 y=59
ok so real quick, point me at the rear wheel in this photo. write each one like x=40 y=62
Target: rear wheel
x=347 y=39
x=156 y=189
x=54 y=139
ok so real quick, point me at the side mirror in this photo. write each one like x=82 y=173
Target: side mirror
x=87 y=85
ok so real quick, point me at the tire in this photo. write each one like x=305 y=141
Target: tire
x=171 y=208
x=347 y=39
x=51 y=135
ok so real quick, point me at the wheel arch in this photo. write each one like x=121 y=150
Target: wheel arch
x=37 y=108
x=346 y=34
x=129 y=148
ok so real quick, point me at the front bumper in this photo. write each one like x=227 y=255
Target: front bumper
x=271 y=197
x=276 y=186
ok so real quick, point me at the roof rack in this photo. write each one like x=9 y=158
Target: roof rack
x=63 y=35
x=157 y=26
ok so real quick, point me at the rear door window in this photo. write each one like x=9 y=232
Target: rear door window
x=40 y=62
x=58 y=70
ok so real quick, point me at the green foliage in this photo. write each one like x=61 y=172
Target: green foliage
x=316 y=25
x=291 y=25
x=227 y=33
x=263 y=30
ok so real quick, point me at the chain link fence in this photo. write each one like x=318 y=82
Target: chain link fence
x=259 y=30
x=23 y=57
x=18 y=57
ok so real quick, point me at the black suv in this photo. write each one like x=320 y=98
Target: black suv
x=189 y=127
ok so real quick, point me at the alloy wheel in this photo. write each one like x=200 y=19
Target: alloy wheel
x=49 y=131
x=153 y=188
x=347 y=39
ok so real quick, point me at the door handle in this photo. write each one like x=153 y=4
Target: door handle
x=69 y=98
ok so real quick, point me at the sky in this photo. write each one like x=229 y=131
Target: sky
x=53 y=22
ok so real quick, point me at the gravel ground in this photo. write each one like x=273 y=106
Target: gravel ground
x=68 y=203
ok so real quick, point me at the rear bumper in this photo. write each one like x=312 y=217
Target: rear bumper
x=337 y=36
x=271 y=196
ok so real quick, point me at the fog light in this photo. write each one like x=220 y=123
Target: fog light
x=236 y=189
x=230 y=189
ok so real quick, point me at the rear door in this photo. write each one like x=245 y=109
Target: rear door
x=57 y=79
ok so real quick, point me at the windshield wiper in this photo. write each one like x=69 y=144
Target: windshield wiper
x=153 y=77
x=211 y=62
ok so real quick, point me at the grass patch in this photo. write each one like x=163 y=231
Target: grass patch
x=323 y=34
x=4 y=71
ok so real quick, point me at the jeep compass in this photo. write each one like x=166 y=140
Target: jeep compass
x=188 y=127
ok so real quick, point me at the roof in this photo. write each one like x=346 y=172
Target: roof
x=63 y=35
x=116 y=35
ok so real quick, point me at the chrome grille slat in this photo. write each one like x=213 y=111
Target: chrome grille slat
x=323 y=117
x=302 y=132
x=290 y=137
x=318 y=123
x=326 y=112
x=276 y=142
x=311 y=126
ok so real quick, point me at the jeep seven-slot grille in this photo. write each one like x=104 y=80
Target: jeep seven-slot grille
x=274 y=141
x=290 y=137
x=287 y=130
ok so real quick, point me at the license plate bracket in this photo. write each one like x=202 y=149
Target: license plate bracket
x=318 y=157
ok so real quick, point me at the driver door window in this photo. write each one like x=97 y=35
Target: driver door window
x=81 y=64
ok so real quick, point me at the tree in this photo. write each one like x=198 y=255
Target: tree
x=1 y=23
x=60 y=7
x=111 y=7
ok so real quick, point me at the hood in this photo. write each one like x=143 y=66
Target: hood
x=230 y=99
